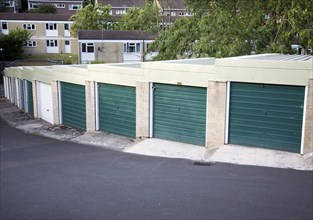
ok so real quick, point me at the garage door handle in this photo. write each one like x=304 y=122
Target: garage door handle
x=47 y=110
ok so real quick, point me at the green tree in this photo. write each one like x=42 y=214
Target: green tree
x=46 y=9
x=12 y=44
x=91 y=17
x=178 y=41
x=87 y=2
x=222 y=28
x=286 y=21
x=145 y=19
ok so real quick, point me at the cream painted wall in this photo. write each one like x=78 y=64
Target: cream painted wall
x=39 y=35
x=109 y=52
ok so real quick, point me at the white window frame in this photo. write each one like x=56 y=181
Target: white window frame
x=52 y=43
x=6 y=24
x=59 y=5
x=74 y=7
x=31 y=43
x=132 y=47
x=29 y=26
x=86 y=46
x=68 y=26
x=9 y=3
x=51 y=26
x=33 y=5
x=67 y=42
x=120 y=12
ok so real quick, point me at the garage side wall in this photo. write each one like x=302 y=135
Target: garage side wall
x=308 y=129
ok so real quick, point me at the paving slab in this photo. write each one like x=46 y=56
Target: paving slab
x=164 y=148
x=261 y=157
x=104 y=139
x=224 y=153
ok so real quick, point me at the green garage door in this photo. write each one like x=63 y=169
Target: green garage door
x=267 y=116
x=30 y=100
x=117 y=109
x=179 y=113
x=73 y=105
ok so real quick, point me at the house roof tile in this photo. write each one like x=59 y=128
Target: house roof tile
x=34 y=17
x=122 y=3
x=113 y=35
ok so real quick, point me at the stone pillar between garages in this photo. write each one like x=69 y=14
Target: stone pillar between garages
x=216 y=112
x=55 y=102
x=142 y=109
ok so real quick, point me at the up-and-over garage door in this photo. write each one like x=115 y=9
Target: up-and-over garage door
x=73 y=101
x=117 y=109
x=179 y=113
x=267 y=116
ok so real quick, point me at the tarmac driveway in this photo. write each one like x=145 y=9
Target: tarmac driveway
x=43 y=178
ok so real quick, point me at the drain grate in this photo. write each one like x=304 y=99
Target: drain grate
x=204 y=163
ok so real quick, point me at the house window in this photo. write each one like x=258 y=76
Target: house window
x=33 y=5
x=31 y=44
x=87 y=47
x=120 y=12
x=51 y=26
x=29 y=26
x=9 y=3
x=67 y=42
x=132 y=48
x=74 y=7
x=59 y=5
x=4 y=26
x=52 y=43
x=66 y=27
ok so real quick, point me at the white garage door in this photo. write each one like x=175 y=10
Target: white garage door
x=44 y=95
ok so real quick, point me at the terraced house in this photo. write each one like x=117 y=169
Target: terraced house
x=119 y=7
x=50 y=33
x=114 y=46
x=62 y=6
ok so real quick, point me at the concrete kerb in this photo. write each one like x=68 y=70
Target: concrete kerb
x=156 y=147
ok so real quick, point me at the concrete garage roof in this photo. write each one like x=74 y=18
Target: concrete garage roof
x=196 y=61
x=265 y=68
x=262 y=68
x=278 y=57
x=113 y=35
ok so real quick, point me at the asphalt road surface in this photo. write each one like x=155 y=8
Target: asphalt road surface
x=43 y=178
